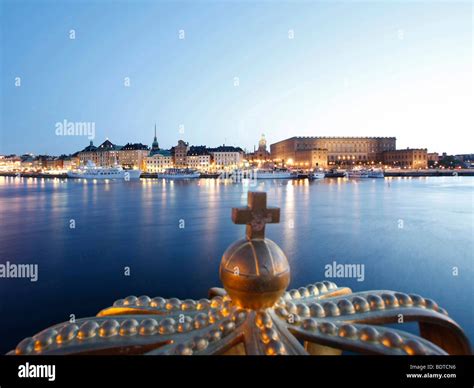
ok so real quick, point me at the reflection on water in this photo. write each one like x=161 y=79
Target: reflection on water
x=137 y=224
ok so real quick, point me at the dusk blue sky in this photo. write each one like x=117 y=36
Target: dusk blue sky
x=399 y=69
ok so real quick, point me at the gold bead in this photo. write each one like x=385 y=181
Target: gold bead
x=130 y=300
x=345 y=307
x=173 y=304
x=200 y=343
x=310 y=324
x=129 y=327
x=368 y=334
x=67 y=333
x=158 y=302
x=327 y=328
x=184 y=350
x=148 y=326
x=303 y=310
x=25 y=347
x=347 y=331
x=331 y=309
x=268 y=334
x=316 y=310
x=87 y=330
x=143 y=300
x=391 y=339
x=109 y=328
x=360 y=304
x=375 y=302
x=412 y=347
x=275 y=348
x=167 y=326
x=390 y=300
x=262 y=319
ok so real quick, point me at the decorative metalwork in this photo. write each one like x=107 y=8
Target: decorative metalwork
x=255 y=315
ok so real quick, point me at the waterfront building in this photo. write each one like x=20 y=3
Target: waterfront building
x=133 y=156
x=261 y=154
x=71 y=162
x=29 y=162
x=340 y=150
x=88 y=153
x=10 y=163
x=310 y=159
x=179 y=153
x=406 y=158
x=433 y=157
x=227 y=157
x=158 y=161
x=107 y=154
x=198 y=158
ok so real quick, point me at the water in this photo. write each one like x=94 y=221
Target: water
x=409 y=233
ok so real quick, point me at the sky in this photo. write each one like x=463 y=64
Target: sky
x=302 y=68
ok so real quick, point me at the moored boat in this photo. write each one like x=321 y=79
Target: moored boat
x=318 y=174
x=376 y=173
x=179 y=173
x=91 y=171
x=277 y=173
x=358 y=173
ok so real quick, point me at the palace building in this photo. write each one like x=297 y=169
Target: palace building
x=407 y=158
x=310 y=151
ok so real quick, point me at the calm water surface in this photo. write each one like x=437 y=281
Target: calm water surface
x=409 y=233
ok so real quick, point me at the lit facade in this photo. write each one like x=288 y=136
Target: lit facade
x=261 y=154
x=198 y=158
x=340 y=150
x=133 y=156
x=407 y=158
x=180 y=153
x=159 y=161
x=227 y=157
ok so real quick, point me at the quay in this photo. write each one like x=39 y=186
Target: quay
x=388 y=173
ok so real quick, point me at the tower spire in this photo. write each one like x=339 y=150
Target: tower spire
x=155 y=146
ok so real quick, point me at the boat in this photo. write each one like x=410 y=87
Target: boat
x=358 y=173
x=277 y=173
x=179 y=173
x=91 y=171
x=336 y=173
x=376 y=173
x=317 y=174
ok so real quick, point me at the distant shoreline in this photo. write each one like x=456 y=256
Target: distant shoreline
x=388 y=173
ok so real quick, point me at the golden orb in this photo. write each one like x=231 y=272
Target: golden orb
x=255 y=273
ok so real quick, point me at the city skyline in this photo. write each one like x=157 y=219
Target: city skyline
x=309 y=69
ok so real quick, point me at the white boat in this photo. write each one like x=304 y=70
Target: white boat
x=278 y=173
x=357 y=173
x=179 y=173
x=318 y=174
x=91 y=171
x=376 y=173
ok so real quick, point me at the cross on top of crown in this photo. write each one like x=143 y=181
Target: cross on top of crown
x=255 y=215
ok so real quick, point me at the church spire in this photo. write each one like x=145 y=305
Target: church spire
x=155 y=146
